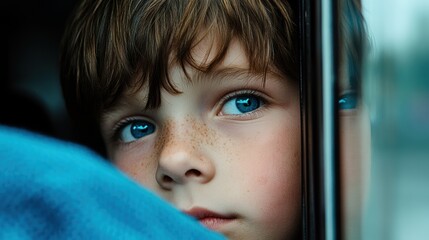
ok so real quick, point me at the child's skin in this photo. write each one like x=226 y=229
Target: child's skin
x=222 y=142
x=202 y=152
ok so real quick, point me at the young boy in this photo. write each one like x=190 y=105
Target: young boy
x=197 y=101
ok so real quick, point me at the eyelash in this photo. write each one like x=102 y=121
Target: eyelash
x=119 y=127
x=348 y=101
x=239 y=93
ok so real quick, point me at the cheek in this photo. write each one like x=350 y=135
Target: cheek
x=276 y=173
x=137 y=163
x=271 y=166
x=355 y=161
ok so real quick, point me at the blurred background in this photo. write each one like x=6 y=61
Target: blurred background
x=396 y=90
x=30 y=94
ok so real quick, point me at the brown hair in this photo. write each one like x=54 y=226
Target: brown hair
x=110 y=46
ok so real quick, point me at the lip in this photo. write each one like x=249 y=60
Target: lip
x=210 y=219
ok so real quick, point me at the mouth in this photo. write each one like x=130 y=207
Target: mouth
x=210 y=219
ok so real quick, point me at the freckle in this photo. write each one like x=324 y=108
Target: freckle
x=162 y=139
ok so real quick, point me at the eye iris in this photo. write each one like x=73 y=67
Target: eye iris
x=141 y=129
x=247 y=103
x=348 y=101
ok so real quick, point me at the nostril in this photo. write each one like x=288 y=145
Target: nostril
x=193 y=172
x=167 y=179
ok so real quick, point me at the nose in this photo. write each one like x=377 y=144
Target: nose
x=182 y=160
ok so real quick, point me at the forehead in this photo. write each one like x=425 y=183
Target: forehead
x=208 y=48
x=235 y=63
x=234 y=67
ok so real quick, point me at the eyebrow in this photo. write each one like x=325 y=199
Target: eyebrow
x=219 y=75
x=215 y=76
x=124 y=102
x=223 y=74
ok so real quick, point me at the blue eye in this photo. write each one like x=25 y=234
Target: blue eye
x=136 y=130
x=241 y=104
x=347 y=101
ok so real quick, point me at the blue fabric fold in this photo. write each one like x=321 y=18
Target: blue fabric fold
x=53 y=189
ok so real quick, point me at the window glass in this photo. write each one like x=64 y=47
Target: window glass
x=384 y=131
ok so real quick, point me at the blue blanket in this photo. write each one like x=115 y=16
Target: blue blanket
x=52 y=189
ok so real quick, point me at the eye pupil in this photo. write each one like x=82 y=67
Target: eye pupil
x=240 y=104
x=348 y=101
x=140 y=129
x=247 y=103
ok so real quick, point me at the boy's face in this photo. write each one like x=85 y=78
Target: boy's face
x=225 y=150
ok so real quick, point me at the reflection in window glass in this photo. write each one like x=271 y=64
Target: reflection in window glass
x=395 y=94
x=354 y=121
